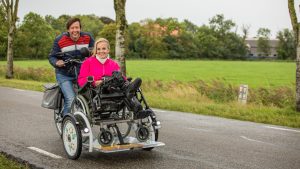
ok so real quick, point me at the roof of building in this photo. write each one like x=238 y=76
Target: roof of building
x=253 y=42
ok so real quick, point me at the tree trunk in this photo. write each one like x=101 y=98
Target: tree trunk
x=11 y=10
x=296 y=30
x=293 y=17
x=10 y=40
x=298 y=73
x=119 y=6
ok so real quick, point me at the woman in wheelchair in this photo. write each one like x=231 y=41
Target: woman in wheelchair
x=106 y=76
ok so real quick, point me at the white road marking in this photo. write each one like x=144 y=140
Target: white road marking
x=20 y=90
x=45 y=152
x=197 y=129
x=284 y=129
x=159 y=110
x=249 y=139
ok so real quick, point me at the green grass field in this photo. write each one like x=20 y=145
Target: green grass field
x=267 y=74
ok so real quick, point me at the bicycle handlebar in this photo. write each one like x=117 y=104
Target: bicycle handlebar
x=72 y=61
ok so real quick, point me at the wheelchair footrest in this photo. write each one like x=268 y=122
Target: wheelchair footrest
x=125 y=147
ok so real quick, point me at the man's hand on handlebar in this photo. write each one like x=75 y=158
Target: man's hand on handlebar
x=60 y=63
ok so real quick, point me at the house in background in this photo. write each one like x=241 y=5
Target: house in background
x=251 y=43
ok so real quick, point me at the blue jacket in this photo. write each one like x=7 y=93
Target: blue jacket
x=63 y=43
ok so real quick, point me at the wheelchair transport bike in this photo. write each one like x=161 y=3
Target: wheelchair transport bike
x=112 y=117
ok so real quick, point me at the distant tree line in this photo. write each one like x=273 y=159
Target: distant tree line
x=148 y=39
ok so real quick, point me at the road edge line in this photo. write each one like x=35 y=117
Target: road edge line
x=45 y=152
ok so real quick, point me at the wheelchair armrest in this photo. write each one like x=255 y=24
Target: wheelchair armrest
x=84 y=87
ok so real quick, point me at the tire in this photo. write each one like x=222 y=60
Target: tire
x=71 y=137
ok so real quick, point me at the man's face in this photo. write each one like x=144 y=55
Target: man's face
x=74 y=31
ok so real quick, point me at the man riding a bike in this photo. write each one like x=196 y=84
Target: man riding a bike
x=68 y=42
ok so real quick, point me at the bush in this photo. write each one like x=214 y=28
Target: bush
x=279 y=97
x=36 y=74
x=220 y=91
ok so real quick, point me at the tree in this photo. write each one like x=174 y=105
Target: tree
x=190 y=27
x=245 y=30
x=59 y=24
x=109 y=32
x=106 y=20
x=296 y=28
x=134 y=33
x=90 y=23
x=220 y=25
x=37 y=34
x=11 y=10
x=227 y=44
x=263 y=45
x=121 y=25
x=286 y=48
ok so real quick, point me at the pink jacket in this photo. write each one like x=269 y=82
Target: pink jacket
x=92 y=67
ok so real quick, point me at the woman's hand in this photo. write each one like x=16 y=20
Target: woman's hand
x=98 y=82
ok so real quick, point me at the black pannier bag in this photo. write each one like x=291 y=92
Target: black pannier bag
x=50 y=97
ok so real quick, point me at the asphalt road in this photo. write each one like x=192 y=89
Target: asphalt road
x=192 y=141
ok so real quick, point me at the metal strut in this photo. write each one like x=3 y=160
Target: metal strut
x=119 y=135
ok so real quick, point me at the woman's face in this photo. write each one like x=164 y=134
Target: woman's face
x=102 y=50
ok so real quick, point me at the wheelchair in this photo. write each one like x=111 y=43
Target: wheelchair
x=110 y=118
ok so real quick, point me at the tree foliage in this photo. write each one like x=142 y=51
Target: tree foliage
x=37 y=34
x=91 y=24
x=109 y=32
x=286 y=48
x=162 y=38
x=263 y=45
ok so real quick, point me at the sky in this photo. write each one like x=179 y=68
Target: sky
x=271 y=14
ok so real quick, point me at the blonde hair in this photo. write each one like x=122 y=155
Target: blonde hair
x=99 y=41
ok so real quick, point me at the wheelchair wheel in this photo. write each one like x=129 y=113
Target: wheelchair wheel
x=71 y=137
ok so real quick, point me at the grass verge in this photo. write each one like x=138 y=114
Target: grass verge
x=233 y=110
x=21 y=84
x=7 y=163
